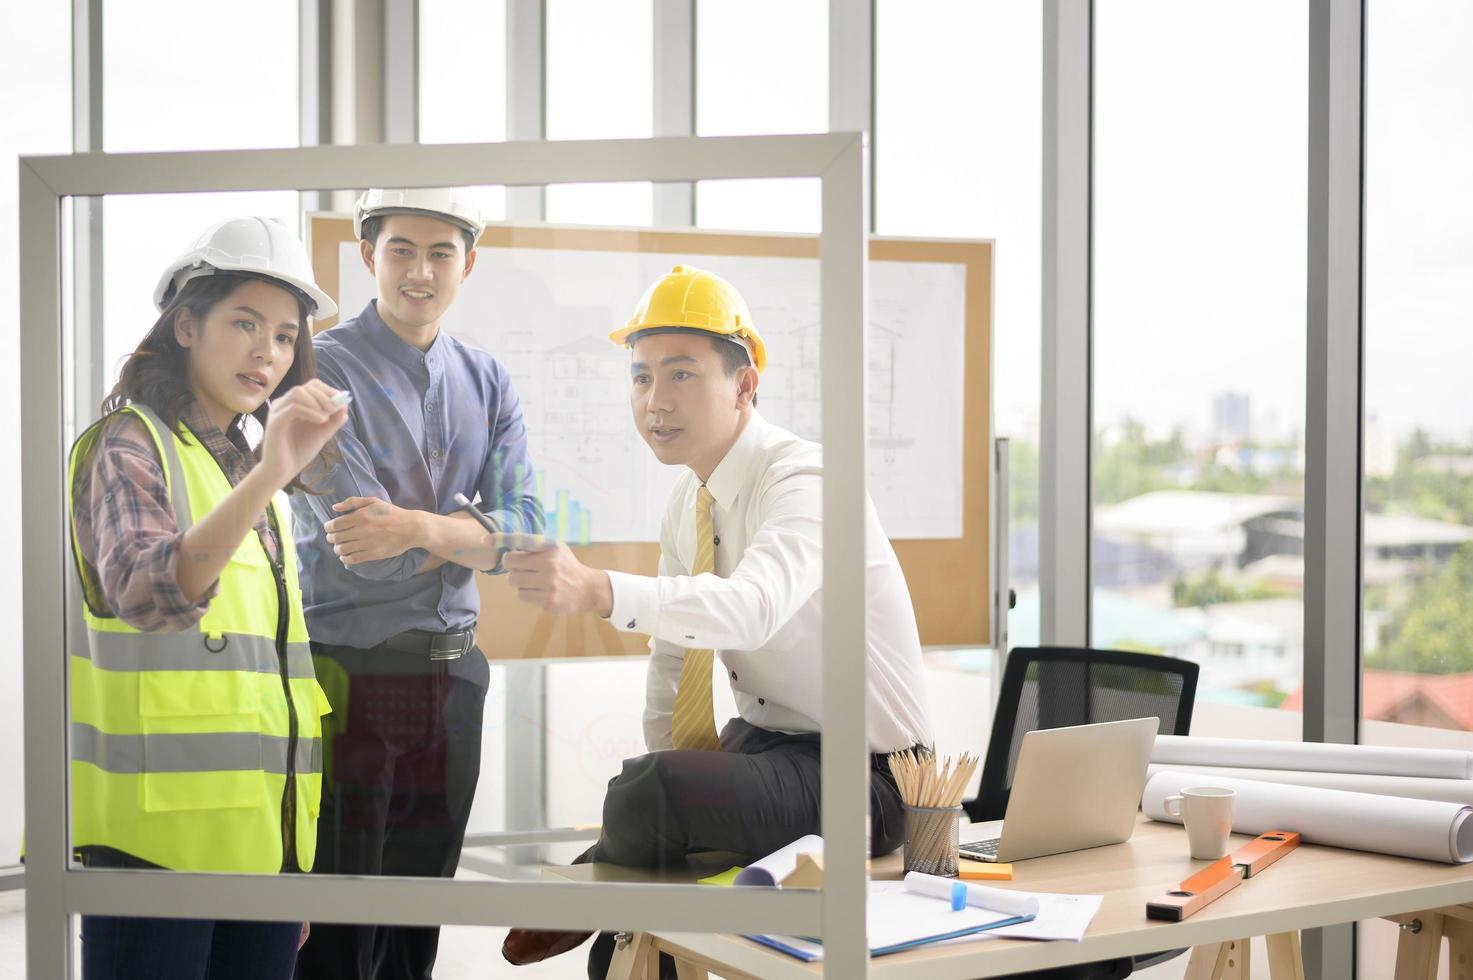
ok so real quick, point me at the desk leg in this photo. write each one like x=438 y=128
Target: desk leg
x=1285 y=961
x=635 y=960
x=686 y=970
x=1220 y=961
x=1417 y=952
x=1459 y=934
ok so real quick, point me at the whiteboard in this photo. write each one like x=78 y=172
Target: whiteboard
x=546 y=314
x=547 y=317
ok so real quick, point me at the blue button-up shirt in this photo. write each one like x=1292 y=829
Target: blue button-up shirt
x=422 y=427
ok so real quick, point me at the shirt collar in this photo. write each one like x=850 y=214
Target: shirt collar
x=732 y=472
x=392 y=345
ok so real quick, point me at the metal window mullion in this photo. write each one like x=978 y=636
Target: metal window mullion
x=526 y=95
x=88 y=350
x=1065 y=476
x=525 y=806
x=1334 y=383
x=852 y=77
x=314 y=88
x=675 y=100
x=400 y=74
x=845 y=754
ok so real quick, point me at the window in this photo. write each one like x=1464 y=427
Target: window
x=1199 y=348
x=462 y=78
x=761 y=67
x=600 y=85
x=35 y=101
x=940 y=176
x=1418 y=436
x=174 y=91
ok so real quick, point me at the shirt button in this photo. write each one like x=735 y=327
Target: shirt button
x=733 y=675
x=434 y=454
x=429 y=406
x=761 y=700
x=716 y=540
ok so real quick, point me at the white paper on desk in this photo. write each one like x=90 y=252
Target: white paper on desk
x=771 y=870
x=1064 y=917
x=897 y=919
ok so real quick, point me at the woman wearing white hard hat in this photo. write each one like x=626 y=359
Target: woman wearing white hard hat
x=196 y=717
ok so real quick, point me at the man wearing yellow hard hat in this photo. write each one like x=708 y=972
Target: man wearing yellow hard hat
x=740 y=582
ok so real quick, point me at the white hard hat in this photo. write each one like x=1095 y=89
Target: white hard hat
x=263 y=246
x=456 y=205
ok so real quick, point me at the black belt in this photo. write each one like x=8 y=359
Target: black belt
x=436 y=646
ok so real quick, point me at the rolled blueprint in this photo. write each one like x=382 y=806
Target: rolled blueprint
x=979 y=896
x=1411 y=787
x=1366 y=760
x=1432 y=830
x=771 y=870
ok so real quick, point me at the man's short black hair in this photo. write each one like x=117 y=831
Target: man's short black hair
x=734 y=357
x=372 y=226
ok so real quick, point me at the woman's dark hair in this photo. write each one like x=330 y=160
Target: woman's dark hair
x=157 y=372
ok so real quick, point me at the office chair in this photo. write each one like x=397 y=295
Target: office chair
x=1055 y=687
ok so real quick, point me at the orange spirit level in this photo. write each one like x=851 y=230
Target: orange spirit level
x=1222 y=876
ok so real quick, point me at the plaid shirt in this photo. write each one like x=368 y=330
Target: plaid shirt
x=125 y=523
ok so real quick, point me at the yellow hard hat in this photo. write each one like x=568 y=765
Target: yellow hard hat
x=694 y=299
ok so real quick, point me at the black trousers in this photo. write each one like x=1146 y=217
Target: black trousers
x=759 y=794
x=401 y=757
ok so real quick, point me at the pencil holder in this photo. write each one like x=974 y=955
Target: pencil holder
x=931 y=839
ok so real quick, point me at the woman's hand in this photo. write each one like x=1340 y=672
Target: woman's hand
x=298 y=426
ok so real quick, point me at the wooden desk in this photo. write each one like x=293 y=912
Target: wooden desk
x=1312 y=887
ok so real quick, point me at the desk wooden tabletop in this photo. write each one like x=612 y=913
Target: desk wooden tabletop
x=1313 y=886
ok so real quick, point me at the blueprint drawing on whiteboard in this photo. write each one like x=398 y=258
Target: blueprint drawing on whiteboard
x=546 y=314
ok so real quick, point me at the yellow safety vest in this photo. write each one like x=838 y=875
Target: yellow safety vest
x=185 y=751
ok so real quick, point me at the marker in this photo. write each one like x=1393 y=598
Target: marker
x=341 y=398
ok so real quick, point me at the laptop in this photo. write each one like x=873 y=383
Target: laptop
x=1073 y=788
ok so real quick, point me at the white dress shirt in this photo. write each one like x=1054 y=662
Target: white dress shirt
x=762 y=610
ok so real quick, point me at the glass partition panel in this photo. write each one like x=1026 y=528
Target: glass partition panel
x=330 y=677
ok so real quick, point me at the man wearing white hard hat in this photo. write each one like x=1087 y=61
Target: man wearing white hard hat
x=389 y=568
x=740 y=583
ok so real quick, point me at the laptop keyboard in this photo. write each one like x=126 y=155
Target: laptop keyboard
x=981 y=848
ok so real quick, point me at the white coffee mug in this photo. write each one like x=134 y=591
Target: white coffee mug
x=1207 y=812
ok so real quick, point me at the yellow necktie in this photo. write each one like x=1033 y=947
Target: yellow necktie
x=693 y=723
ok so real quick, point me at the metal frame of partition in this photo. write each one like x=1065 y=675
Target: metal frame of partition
x=57 y=891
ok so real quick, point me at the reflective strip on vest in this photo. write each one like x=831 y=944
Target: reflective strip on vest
x=201 y=752
x=182 y=651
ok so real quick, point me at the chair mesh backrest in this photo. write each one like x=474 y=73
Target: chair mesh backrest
x=1060 y=693
x=1056 y=687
